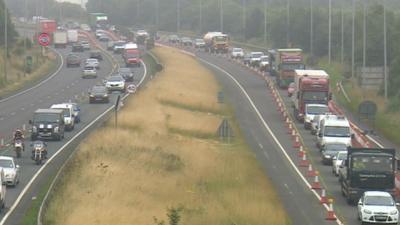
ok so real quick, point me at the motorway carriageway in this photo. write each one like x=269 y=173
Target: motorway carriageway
x=65 y=85
x=289 y=184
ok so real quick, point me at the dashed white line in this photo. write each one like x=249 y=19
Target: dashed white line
x=261 y=146
x=12 y=114
x=22 y=108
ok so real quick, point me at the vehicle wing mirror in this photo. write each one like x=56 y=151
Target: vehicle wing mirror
x=397 y=204
x=17 y=166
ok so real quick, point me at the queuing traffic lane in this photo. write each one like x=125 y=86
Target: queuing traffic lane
x=249 y=80
x=65 y=78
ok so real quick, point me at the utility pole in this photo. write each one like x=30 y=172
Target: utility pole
x=385 y=51
x=364 y=34
x=5 y=42
x=201 y=17
x=342 y=35
x=288 y=22
x=352 y=39
x=311 y=27
x=244 y=9
x=330 y=33
x=265 y=22
x=25 y=34
x=178 y=15
x=221 y=16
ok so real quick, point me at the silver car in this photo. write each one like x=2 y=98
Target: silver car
x=89 y=72
x=115 y=83
x=11 y=170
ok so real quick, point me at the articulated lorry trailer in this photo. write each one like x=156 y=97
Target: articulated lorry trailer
x=288 y=60
x=367 y=169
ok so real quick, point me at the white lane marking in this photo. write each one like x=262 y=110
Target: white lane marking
x=22 y=108
x=41 y=83
x=12 y=114
x=260 y=145
x=266 y=126
x=266 y=154
x=36 y=175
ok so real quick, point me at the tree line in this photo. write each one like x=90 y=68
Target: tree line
x=11 y=33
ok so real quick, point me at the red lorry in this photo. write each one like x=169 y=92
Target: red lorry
x=311 y=87
x=131 y=55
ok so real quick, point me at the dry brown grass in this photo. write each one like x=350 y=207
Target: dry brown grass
x=133 y=174
x=16 y=79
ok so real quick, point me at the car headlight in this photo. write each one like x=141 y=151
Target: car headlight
x=56 y=129
x=327 y=156
x=91 y=96
x=367 y=211
x=394 y=212
x=105 y=95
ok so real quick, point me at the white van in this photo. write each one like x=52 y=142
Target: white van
x=69 y=118
x=334 y=129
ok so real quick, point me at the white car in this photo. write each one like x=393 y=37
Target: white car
x=334 y=129
x=69 y=117
x=89 y=72
x=255 y=58
x=10 y=169
x=85 y=45
x=311 y=110
x=237 y=53
x=115 y=83
x=142 y=33
x=337 y=160
x=264 y=62
x=377 y=207
x=92 y=62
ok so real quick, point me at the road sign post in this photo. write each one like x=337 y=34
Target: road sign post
x=116 y=110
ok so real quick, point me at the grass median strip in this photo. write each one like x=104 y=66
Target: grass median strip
x=166 y=159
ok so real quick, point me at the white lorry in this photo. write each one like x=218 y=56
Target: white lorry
x=72 y=36
x=60 y=39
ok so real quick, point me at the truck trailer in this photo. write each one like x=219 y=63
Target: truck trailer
x=288 y=60
x=60 y=39
x=367 y=169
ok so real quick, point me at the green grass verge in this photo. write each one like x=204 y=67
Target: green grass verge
x=30 y=216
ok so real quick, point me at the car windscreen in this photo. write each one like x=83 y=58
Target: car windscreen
x=335 y=147
x=115 y=78
x=342 y=156
x=315 y=96
x=89 y=68
x=237 y=50
x=46 y=117
x=99 y=90
x=66 y=111
x=378 y=200
x=316 y=110
x=372 y=163
x=292 y=66
x=256 y=55
x=336 y=131
x=6 y=163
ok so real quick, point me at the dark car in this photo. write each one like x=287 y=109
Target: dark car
x=77 y=47
x=173 y=39
x=104 y=38
x=126 y=73
x=98 y=93
x=73 y=60
x=47 y=124
x=96 y=54
x=330 y=150
x=185 y=41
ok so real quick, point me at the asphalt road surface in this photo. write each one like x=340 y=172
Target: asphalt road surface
x=66 y=85
x=301 y=205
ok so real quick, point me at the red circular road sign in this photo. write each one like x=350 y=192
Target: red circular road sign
x=44 y=39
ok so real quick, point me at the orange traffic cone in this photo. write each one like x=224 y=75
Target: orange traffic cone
x=324 y=199
x=331 y=214
x=296 y=143
x=304 y=162
x=290 y=128
x=316 y=185
x=310 y=171
x=301 y=152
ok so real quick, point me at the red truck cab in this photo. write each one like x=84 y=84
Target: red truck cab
x=311 y=87
x=131 y=55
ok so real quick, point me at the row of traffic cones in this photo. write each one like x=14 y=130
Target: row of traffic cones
x=303 y=162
